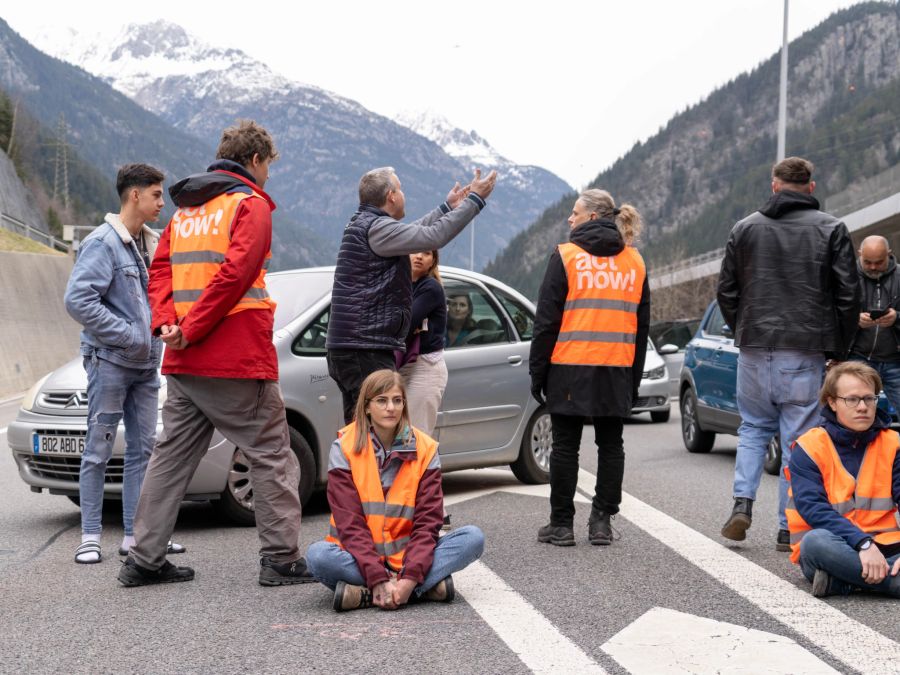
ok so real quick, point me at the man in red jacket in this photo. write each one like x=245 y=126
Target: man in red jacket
x=210 y=306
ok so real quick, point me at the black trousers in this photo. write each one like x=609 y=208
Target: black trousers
x=564 y=466
x=349 y=367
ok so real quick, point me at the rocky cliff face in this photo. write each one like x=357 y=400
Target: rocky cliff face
x=709 y=166
x=15 y=199
x=326 y=141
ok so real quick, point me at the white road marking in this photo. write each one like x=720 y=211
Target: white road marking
x=847 y=640
x=666 y=642
x=3 y=430
x=506 y=483
x=527 y=632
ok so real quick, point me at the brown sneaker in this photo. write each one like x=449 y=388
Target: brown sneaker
x=347 y=597
x=442 y=591
x=738 y=523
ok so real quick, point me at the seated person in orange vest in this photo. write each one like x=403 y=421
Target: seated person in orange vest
x=845 y=485
x=384 y=489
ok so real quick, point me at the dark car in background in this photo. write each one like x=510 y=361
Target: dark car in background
x=708 y=389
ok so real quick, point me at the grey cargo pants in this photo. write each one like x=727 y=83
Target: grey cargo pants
x=250 y=414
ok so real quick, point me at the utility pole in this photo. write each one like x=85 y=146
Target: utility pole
x=61 y=165
x=782 y=94
x=472 y=246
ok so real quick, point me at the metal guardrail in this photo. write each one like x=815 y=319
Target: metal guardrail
x=709 y=256
x=17 y=226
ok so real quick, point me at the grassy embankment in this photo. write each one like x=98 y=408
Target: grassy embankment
x=10 y=241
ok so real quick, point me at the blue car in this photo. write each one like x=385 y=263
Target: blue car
x=707 y=391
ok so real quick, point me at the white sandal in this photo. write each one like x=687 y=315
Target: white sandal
x=87 y=548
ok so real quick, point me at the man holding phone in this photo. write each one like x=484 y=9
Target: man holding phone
x=877 y=341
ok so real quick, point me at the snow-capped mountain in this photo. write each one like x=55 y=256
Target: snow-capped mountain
x=326 y=141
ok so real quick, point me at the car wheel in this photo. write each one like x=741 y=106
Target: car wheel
x=533 y=463
x=695 y=439
x=773 y=456
x=307 y=465
x=660 y=415
x=236 y=502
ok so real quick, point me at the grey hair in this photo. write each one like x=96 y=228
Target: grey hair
x=375 y=185
x=626 y=217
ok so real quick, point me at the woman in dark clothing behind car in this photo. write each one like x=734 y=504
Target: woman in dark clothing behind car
x=587 y=355
x=426 y=377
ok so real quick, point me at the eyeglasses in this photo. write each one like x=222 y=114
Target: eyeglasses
x=381 y=402
x=853 y=401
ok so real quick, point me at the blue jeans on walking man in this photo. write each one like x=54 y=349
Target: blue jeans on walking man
x=329 y=563
x=116 y=393
x=777 y=393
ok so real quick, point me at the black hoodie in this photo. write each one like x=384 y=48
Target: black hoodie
x=590 y=391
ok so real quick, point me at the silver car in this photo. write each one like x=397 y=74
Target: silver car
x=653 y=394
x=487 y=417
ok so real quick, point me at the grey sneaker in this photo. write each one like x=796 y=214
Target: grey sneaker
x=558 y=535
x=821 y=584
x=348 y=597
x=283 y=574
x=600 y=532
x=738 y=522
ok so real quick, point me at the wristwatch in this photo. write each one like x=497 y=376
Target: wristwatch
x=865 y=545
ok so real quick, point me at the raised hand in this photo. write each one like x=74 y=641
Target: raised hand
x=457 y=194
x=483 y=186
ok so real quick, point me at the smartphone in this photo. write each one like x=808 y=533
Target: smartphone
x=877 y=313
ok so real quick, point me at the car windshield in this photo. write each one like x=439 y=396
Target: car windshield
x=295 y=292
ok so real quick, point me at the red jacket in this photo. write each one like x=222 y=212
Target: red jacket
x=235 y=346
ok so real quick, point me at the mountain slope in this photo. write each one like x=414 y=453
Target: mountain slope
x=709 y=166
x=326 y=141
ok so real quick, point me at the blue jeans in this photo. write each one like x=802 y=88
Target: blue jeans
x=329 y=563
x=822 y=550
x=890 y=378
x=777 y=393
x=115 y=392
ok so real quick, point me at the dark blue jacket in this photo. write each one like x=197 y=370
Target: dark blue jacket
x=429 y=302
x=810 y=497
x=372 y=295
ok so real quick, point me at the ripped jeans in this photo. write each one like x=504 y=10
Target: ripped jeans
x=114 y=393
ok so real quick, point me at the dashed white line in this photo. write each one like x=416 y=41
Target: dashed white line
x=527 y=632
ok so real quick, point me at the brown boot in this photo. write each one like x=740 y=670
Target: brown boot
x=739 y=522
x=443 y=591
x=347 y=597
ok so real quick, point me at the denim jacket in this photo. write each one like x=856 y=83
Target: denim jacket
x=107 y=295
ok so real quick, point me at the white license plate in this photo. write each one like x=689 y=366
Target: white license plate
x=46 y=444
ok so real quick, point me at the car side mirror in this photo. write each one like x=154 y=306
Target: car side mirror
x=667 y=348
x=727 y=332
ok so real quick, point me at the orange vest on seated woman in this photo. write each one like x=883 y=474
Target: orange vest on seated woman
x=866 y=502
x=599 y=321
x=200 y=237
x=389 y=516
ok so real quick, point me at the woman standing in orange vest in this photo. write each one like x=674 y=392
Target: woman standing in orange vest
x=844 y=488
x=587 y=355
x=384 y=489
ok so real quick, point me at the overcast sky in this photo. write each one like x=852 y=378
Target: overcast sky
x=562 y=84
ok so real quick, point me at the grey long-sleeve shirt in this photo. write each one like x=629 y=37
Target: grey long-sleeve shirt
x=389 y=237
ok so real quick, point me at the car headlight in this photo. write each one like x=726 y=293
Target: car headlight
x=657 y=373
x=163 y=394
x=28 y=401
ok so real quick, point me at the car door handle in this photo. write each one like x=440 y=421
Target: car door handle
x=514 y=360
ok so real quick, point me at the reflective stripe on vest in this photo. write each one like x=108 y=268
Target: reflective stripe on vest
x=599 y=323
x=199 y=240
x=390 y=517
x=866 y=502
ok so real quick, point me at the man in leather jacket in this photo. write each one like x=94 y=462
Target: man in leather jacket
x=789 y=289
x=877 y=340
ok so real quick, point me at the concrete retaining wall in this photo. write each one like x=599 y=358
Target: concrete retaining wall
x=36 y=333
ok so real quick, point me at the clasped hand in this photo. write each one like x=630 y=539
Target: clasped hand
x=393 y=593
x=173 y=337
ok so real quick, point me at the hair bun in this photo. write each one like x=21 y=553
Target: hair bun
x=616 y=211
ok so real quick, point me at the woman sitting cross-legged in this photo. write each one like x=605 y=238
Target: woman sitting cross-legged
x=384 y=489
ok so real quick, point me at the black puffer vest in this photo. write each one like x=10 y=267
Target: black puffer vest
x=371 y=300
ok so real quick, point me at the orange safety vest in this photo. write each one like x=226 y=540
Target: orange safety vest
x=389 y=517
x=199 y=240
x=599 y=322
x=866 y=502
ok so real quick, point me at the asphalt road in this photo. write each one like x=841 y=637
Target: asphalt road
x=640 y=605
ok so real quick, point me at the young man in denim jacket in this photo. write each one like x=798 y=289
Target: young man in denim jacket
x=107 y=295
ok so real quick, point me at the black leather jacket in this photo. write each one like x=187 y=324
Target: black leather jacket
x=789 y=279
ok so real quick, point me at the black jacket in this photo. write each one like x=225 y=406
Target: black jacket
x=371 y=300
x=587 y=391
x=788 y=280
x=879 y=344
